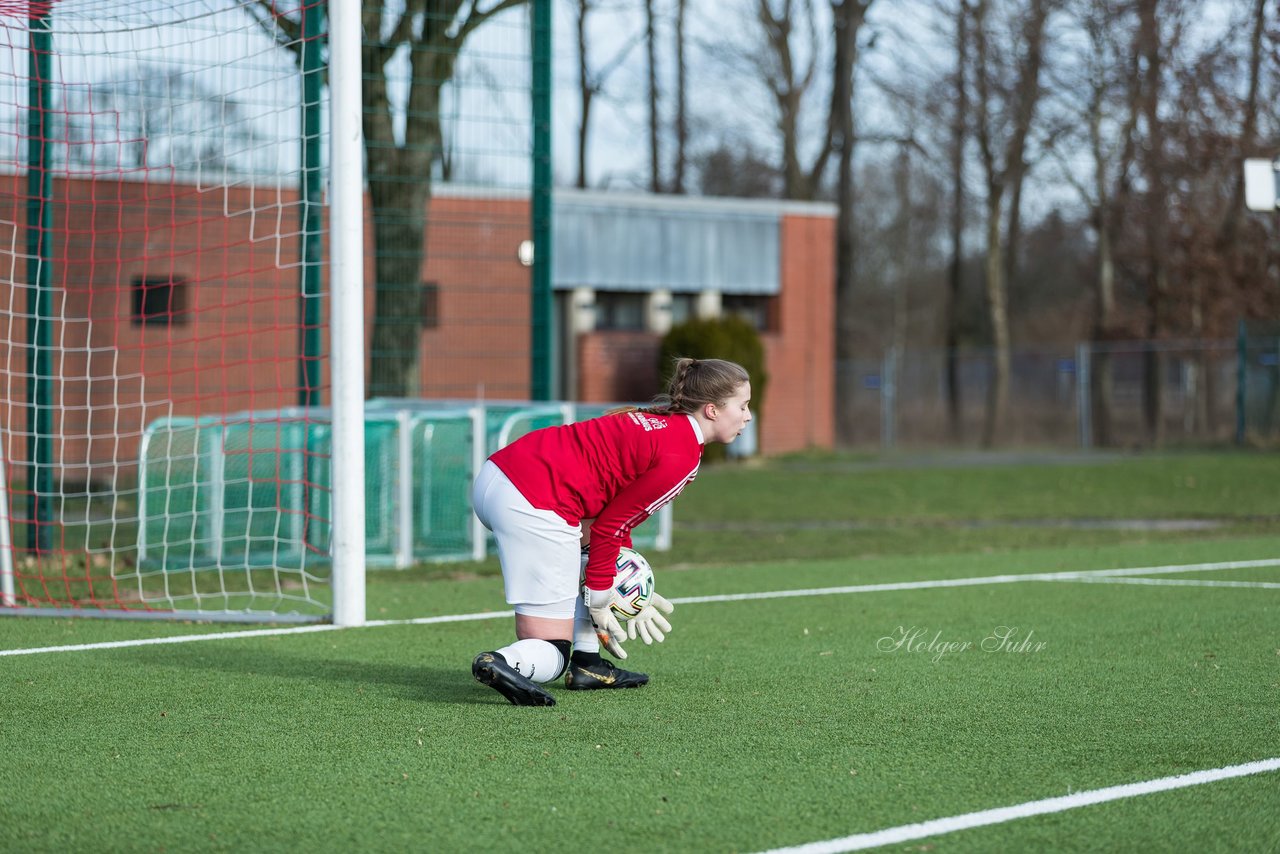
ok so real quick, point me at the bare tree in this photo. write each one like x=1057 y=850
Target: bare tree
x=682 y=103
x=902 y=232
x=1113 y=88
x=591 y=82
x=1249 y=120
x=933 y=101
x=1102 y=95
x=1151 y=52
x=655 y=119
x=1007 y=81
x=587 y=88
x=959 y=138
x=789 y=78
x=1150 y=239
x=783 y=58
x=848 y=17
x=1215 y=125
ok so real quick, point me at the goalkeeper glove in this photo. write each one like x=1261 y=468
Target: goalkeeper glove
x=607 y=627
x=649 y=624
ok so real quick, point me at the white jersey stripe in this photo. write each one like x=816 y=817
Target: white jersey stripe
x=671 y=493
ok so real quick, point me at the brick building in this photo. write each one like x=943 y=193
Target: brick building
x=625 y=267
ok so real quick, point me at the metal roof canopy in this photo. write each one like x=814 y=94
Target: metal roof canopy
x=634 y=242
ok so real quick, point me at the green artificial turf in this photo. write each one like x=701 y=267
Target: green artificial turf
x=1195 y=485
x=769 y=722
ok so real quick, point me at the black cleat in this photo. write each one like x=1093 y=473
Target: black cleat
x=606 y=674
x=492 y=669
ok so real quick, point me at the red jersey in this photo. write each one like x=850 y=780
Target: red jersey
x=619 y=469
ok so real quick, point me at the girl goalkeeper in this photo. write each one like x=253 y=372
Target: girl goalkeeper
x=612 y=473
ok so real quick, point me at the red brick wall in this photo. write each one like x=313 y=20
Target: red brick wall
x=481 y=347
x=617 y=367
x=799 y=410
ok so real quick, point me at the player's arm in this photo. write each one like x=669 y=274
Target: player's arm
x=585 y=539
x=611 y=530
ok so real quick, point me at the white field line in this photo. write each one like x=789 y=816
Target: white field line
x=254 y=633
x=1165 y=570
x=1172 y=582
x=932 y=584
x=1074 y=575
x=984 y=818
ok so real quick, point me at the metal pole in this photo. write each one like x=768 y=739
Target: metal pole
x=311 y=197
x=888 y=398
x=346 y=311
x=402 y=548
x=541 y=226
x=7 y=592
x=1084 y=399
x=479 y=453
x=1242 y=380
x=39 y=294
x=311 y=193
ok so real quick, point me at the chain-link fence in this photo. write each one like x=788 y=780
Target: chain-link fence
x=1115 y=394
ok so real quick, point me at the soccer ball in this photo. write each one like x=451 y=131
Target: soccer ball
x=633 y=585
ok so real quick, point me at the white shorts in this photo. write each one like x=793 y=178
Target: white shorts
x=540 y=553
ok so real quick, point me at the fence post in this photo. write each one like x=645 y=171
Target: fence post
x=7 y=593
x=479 y=453
x=1242 y=378
x=541 y=206
x=402 y=551
x=888 y=397
x=1084 y=397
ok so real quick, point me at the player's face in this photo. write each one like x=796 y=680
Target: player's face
x=733 y=414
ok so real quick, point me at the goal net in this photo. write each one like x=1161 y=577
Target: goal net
x=163 y=320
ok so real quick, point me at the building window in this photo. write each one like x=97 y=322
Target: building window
x=620 y=310
x=759 y=311
x=159 y=301
x=684 y=307
x=430 y=305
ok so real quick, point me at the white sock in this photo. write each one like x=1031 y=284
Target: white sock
x=584 y=634
x=534 y=659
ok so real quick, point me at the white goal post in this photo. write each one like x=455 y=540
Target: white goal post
x=347 y=276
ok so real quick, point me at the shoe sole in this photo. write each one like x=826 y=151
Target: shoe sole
x=598 y=685
x=487 y=672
